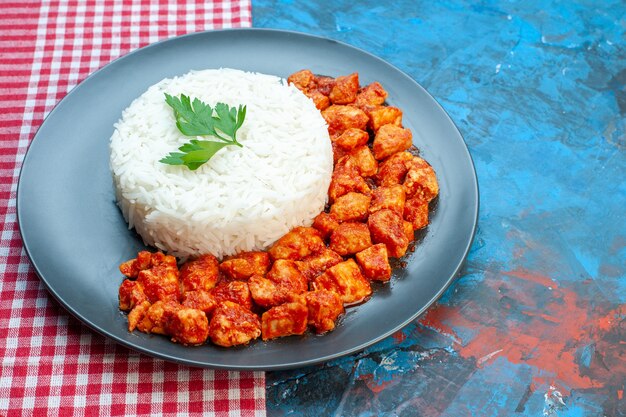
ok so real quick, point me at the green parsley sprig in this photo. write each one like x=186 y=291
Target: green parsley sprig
x=196 y=118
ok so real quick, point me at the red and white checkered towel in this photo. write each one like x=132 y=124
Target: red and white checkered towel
x=51 y=364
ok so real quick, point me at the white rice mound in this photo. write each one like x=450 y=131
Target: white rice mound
x=243 y=198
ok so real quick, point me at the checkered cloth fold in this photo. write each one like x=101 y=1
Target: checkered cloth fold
x=52 y=365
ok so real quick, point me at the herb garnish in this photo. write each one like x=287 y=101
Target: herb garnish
x=195 y=118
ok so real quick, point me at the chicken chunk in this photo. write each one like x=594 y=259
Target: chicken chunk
x=346 y=178
x=284 y=320
x=246 y=264
x=324 y=309
x=156 y=317
x=235 y=291
x=363 y=160
x=386 y=226
x=325 y=223
x=283 y=282
x=383 y=115
x=267 y=293
x=285 y=273
x=188 y=326
x=340 y=118
x=320 y=100
x=298 y=243
x=137 y=314
x=351 y=138
x=409 y=232
x=324 y=84
x=338 y=152
x=420 y=180
x=146 y=260
x=371 y=95
x=392 y=198
x=391 y=139
x=374 y=262
x=159 y=282
x=416 y=212
x=200 y=300
x=304 y=80
x=201 y=273
x=132 y=267
x=393 y=170
x=314 y=265
x=350 y=238
x=233 y=325
x=345 y=89
x=159 y=258
x=346 y=280
x=351 y=207
x=131 y=294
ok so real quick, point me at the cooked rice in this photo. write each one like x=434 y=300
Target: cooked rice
x=243 y=198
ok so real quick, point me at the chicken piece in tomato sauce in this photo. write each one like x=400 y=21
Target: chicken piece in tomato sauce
x=341 y=118
x=391 y=197
x=155 y=318
x=324 y=84
x=320 y=100
x=346 y=280
x=363 y=160
x=234 y=291
x=283 y=282
x=200 y=300
x=391 y=139
x=326 y=223
x=409 y=232
x=146 y=260
x=233 y=325
x=307 y=82
x=314 y=265
x=350 y=238
x=386 y=226
x=420 y=180
x=284 y=320
x=393 y=170
x=243 y=265
x=285 y=273
x=382 y=115
x=374 y=262
x=303 y=80
x=324 y=307
x=131 y=294
x=416 y=212
x=346 y=178
x=132 y=267
x=137 y=314
x=188 y=326
x=345 y=89
x=267 y=293
x=371 y=95
x=351 y=138
x=351 y=207
x=201 y=273
x=160 y=282
x=298 y=243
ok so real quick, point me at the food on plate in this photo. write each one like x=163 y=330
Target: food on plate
x=255 y=283
x=245 y=197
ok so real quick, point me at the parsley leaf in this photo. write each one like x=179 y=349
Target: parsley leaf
x=196 y=118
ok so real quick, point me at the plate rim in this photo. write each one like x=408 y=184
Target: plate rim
x=303 y=363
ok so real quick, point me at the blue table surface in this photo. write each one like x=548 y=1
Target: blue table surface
x=536 y=324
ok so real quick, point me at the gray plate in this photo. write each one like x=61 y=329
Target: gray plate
x=76 y=237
